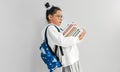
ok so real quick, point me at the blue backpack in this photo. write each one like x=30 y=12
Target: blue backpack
x=48 y=56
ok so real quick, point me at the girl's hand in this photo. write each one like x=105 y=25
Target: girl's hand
x=82 y=34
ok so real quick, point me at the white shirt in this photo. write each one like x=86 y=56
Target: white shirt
x=71 y=52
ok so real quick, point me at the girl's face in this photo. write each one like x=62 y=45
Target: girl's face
x=56 y=18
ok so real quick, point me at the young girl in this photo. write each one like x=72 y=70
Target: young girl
x=70 y=60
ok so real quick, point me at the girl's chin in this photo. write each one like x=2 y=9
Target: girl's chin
x=58 y=24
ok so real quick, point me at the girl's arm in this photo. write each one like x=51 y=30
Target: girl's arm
x=58 y=38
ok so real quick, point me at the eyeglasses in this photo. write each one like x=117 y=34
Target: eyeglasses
x=59 y=16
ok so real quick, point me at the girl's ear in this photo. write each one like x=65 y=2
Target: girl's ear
x=50 y=17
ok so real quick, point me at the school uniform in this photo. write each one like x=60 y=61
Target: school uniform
x=70 y=59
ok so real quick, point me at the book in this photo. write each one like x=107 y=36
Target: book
x=72 y=30
x=68 y=28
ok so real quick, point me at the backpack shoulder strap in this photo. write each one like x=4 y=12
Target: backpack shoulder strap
x=56 y=46
x=46 y=32
x=57 y=28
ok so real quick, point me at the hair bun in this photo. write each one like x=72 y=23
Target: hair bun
x=47 y=5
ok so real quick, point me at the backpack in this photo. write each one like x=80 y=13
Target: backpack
x=48 y=56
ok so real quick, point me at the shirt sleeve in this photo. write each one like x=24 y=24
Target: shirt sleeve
x=58 y=38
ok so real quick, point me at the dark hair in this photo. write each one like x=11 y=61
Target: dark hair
x=50 y=11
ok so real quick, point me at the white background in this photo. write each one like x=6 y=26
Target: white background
x=21 y=22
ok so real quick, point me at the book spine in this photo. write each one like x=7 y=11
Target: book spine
x=67 y=29
x=71 y=31
x=80 y=31
x=75 y=32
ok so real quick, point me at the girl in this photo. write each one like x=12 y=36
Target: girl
x=70 y=60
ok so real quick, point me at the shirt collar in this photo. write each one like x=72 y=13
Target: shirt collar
x=56 y=25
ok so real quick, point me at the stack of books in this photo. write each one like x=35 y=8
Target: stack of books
x=72 y=30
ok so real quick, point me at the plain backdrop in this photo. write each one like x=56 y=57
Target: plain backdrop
x=21 y=22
